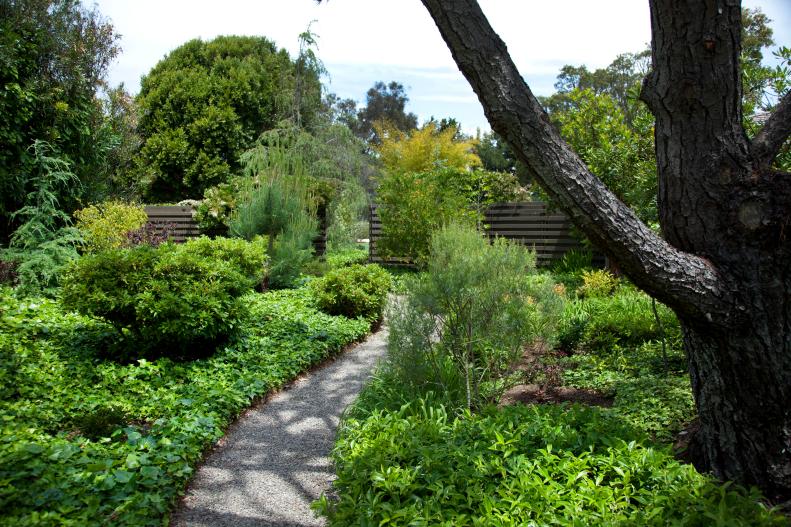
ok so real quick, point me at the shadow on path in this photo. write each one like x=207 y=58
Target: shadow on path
x=275 y=461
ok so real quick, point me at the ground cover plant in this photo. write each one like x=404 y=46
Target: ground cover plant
x=420 y=457
x=87 y=441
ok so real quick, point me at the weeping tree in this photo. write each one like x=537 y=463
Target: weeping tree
x=276 y=202
x=723 y=263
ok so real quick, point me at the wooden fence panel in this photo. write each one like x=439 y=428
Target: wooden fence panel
x=186 y=227
x=532 y=224
x=184 y=224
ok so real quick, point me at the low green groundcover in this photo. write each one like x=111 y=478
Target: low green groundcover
x=521 y=466
x=85 y=441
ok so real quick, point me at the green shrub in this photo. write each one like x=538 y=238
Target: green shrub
x=412 y=207
x=355 y=291
x=463 y=323
x=347 y=257
x=626 y=318
x=171 y=300
x=105 y=225
x=248 y=257
x=44 y=244
x=521 y=465
x=568 y=270
x=597 y=283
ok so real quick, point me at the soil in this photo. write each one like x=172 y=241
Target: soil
x=531 y=361
x=535 y=394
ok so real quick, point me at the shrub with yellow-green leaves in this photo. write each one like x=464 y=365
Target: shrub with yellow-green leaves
x=104 y=225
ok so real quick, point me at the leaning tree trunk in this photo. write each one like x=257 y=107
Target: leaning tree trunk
x=725 y=264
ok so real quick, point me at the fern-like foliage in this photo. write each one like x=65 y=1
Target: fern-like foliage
x=45 y=242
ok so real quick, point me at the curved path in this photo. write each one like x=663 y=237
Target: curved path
x=275 y=460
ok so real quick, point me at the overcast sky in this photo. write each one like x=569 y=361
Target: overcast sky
x=364 y=41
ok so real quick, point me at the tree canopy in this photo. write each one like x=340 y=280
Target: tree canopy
x=54 y=56
x=206 y=103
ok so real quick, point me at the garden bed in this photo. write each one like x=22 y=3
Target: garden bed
x=87 y=441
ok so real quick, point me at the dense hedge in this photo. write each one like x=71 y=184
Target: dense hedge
x=87 y=442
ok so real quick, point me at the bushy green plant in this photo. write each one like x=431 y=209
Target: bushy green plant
x=105 y=225
x=568 y=269
x=464 y=321
x=170 y=300
x=626 y=318
x=248 y=257
x=412 y=206
x=355 y=291
x=217 y=206
x=597 y=283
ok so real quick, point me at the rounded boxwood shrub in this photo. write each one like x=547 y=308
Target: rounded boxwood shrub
x=179 y=301
x=249 y=258
x=354 y=291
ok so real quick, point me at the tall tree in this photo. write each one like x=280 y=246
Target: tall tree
x=54 y=56
x=724 y=265
x=384 y=102
x=207 y=102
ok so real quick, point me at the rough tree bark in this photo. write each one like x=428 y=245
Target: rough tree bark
x=724 y=265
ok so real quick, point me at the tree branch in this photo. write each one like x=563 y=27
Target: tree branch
x=767 y=143
x=687 y=283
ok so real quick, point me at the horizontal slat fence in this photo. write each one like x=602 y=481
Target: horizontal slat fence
x=181 y=218
x=186 y=227
x=531 y=223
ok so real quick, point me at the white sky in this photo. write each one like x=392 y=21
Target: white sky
x=364 y=41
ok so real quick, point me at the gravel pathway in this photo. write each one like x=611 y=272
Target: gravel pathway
x=275 y=461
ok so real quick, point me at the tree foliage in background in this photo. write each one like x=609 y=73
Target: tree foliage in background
x=763 y=85
x=385 y=103
x=619 y=152
x=205 y=104
x=54 y=56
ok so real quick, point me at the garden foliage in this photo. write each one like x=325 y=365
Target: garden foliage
x=45 y=241
x=535 y=465
x=462 y=324
x=419 y=457
x=354 y=291
x=87 y=442
x=54 y=57
x=432 y=179
x=106 y=225
x=172 y=300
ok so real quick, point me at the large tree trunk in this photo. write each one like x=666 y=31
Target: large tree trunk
x=724 y=265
